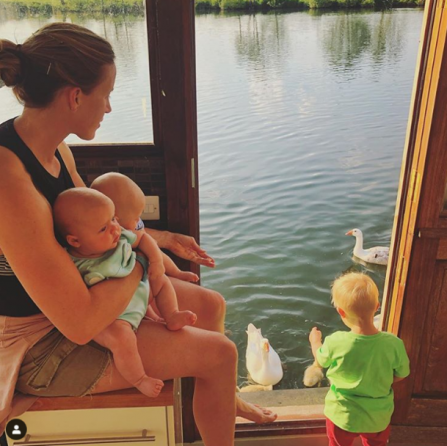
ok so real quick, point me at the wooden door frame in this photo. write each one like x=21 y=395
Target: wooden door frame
x=171 y=40
x=418 y=228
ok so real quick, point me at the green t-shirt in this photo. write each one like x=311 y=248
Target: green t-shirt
x=361 y=371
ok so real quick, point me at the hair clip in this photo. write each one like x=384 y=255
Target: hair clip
x=49 y=68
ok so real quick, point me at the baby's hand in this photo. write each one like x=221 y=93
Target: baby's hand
x=156 y=270
x=315 y=336
x=186 y=276
x=152 y=315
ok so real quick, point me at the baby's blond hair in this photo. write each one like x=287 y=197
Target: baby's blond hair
x=124 y=192
x=356 y=294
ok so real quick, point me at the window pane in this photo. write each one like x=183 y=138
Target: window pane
x=125 y=28
x=302 y=121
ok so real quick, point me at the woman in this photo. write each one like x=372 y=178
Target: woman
x=64 y=75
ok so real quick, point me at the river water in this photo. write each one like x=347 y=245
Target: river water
x=302 y=119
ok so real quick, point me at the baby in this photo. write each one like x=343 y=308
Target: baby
x=129 y=201
x=101 y=249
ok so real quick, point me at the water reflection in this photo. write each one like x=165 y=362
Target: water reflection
x=346 y=40
x=352 y=36
x=262 y=40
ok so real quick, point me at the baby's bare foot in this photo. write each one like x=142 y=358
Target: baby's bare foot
x=149 y=386
x=179 y=319
x=253 y=412
x=187 y=276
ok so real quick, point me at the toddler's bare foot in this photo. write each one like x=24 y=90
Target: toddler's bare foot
x=187 y=276
x=253 y=412
x=179 y=319
x=149 y=386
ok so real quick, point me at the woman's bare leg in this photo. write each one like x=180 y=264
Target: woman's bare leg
x=209 y=306
x=210 y=357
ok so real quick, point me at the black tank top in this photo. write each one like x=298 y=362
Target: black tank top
x=14 y=300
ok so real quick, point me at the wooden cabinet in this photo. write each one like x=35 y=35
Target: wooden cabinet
x=145 y=426
x=122 y=418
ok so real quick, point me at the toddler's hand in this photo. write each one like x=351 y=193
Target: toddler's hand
x=315 y=336
x=156 y=270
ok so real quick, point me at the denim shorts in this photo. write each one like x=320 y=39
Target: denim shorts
x=55 y=366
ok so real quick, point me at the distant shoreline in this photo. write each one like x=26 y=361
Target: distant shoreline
x=206 y=6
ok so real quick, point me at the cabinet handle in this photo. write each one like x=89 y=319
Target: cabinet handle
x=144 y=437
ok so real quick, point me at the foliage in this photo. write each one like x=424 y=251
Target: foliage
x=136 y=7
x=49 y=6
x=300 y=4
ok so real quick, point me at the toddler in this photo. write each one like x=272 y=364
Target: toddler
x=101 y=249
x=362 y=366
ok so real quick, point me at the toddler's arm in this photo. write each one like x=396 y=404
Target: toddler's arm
x=315 y=339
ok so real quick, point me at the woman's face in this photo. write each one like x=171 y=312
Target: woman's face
x=93 y=106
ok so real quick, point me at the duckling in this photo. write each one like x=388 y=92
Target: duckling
x=313 y=375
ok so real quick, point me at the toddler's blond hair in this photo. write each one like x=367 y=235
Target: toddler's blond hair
x=356 y=294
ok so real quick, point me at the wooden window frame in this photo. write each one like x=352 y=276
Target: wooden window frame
x=413 y=164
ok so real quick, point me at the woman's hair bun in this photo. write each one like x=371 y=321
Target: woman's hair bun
x=56 y=55
x=10 y=63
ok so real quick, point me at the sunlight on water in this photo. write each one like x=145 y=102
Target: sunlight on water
x=302 y=121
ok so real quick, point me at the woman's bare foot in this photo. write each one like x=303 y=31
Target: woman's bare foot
x=254 y=413
x=149 y=386
x=186 y=276
x=179 y=319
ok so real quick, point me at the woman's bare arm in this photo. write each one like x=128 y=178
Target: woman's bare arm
x=43 y=266
x=182 y=245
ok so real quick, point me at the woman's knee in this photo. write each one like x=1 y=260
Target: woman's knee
x=211 y=308
x=209 y=305
x=224 y=355
x=216 y=303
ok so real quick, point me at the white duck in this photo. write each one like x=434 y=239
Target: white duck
x=262 y=361
x=377 y=255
